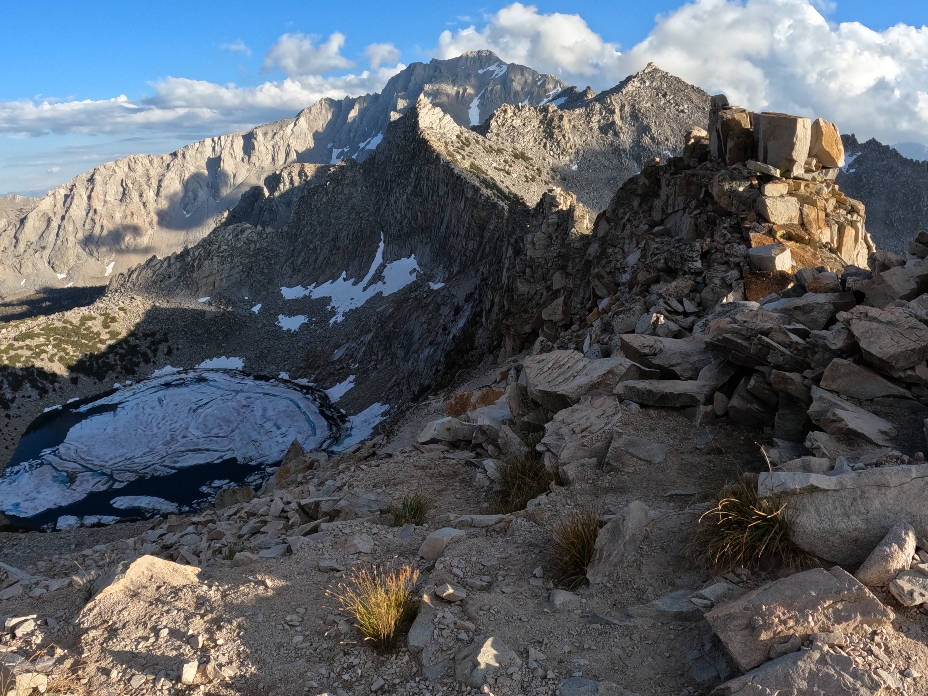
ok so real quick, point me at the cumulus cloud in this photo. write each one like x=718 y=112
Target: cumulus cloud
x=237 y=46
x=379 y=53
x=297 y=55
x=765 y=54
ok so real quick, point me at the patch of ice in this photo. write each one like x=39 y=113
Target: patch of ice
x=363 y=424
x=22 y=283
x=166 y=370
x=222 y=363
x=550 y=95
x=558 y=102
x=89 y=520
x=143 y=502
x=372 y=142
x=203 y=299
x=474 y=111
x=336 y=154
x=291 y=323
x=256 y=308
x=283 y=375
x=68 y=522
x=338 y=391
x=61 y=276
x=160 y=426
x=73 y=399
x=117 y=385
x=848 y=158
x=346 y=295
x=498 y=69
x=573 y=168
x=109 y=268
x=51 y=408
x=436 y=286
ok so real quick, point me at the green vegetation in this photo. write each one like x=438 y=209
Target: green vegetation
x=383 y=604
x=520 y=480
x=412 y=509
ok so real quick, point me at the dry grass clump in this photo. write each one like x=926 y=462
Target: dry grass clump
x=743 y=530
x=383 y=603
x=520 y=479
x=572 y=552
x=30 y=677
x=412 y=509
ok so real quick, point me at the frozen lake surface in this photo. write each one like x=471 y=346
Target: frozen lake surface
x=168 y=443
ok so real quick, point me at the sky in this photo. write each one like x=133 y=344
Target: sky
x=85 y=83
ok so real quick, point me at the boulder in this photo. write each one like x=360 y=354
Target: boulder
x=791 y=384
x=809 y=673
x=510 y=444
x=463 y=402
x=446 y=430
x=747 y=409
x=436 y=542
x=676 y=358
x=813 y=310
x=890 y=557
x=228 y=497
x=558 y=379
x=825 y=144
x=889 y=339
x=841 y=518
x=842 y=419
x=731 y=136
x=628 y=450
x=675 y=606
x=826 y=282
x=780 y=210
x=583 y=431
x=783 y=141
x=557 y=311
x=910 y=588
x=814 y=601
x=668 y=393
x=846 y=378
x=807 y=465
x=897 y=283
x=771 y=257
x=617 y=541
x=485 y=658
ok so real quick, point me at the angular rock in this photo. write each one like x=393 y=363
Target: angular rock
x=807 y=672
x=843 y=419
x=558 y=379
x=910 y=588
x=675 y=606
x=676 y=358
x=807 y=465
x=617 y=541
x=228 y=497
x=813 y=310
x=898 y=283
x=783 y=141
x=561 y=599
x=814 y=601
x=628 y=450
x=891 y=556
x=791 y=384
x=772 y=257
x=842 y=518
x=746 y=409
x=436 y=542
x=583 y=431
x=510 y=444
x=825 y=145
x=464 y=402
x=668 y=393
x=890 y=339
x=487 y=658
x=824 y=283
x=846 y=378
x=451 y=593
x=356 y=543
x=446 y=430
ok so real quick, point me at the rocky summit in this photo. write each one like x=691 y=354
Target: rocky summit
x=619 y=385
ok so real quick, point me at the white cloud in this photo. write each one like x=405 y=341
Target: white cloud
x=297 y=55
x=765 y=54
x=237 y=46
x=379 y=53
x=53 y=170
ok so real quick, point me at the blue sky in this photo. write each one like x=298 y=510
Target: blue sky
x=174 y=61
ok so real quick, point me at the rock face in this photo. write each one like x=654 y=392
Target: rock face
x=842 y=518
x=815 y=601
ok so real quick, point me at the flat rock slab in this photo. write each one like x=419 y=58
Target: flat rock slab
x=668 y=393
x=813 y=310
x=890 y=339
x=848 y=379
x=679 y=358
x=814 y=601
x=910 y=588
x=842 y=419
x=436 y=542
x=445 y=430
x=584 y=430
x=628 y=450
x=842 y=518
x=807 y=672
x=675 y=606
x=558 y=379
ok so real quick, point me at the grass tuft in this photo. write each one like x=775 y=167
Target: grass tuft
x=412 y=509
x=743 y=530
x=383 y=603
x=230 y=551
x=520 y=479
x=572 y=552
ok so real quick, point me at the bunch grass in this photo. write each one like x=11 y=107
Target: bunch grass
x=520 y=479
x=412 y=509
x=574 y=544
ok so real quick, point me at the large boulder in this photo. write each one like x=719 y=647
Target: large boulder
x=668 y=393
x=446 y=430
x=583 y=431
x=814 y=601
x=617 y=542
x=809 y=673
x=813 y=310
x=842 y=518
x=849 y=379
x=826 y=145
x=558 y=379
x=898 y=283
x=676 y=358
x=783 y=141
x=841 y=418
x=891 y=556
x=773 y=257
x=890 y=339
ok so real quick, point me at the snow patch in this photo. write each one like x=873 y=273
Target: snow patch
x=143 y=502
x=573 y=168
x=222 y=363
x=372 y=142
x=363 y=424
x=474 y=111
x=203 y=299
x=109 y=268
x=336 y=154
x=499 y=69
x=291 y=323
x=338 y=391
x=346 y=295
x=848 y=158
x=61 y=276
x=436 y=286
x=51 y=408
x=163 y=371
x=256 y=308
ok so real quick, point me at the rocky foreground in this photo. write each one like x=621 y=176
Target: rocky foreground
x=726 y=313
